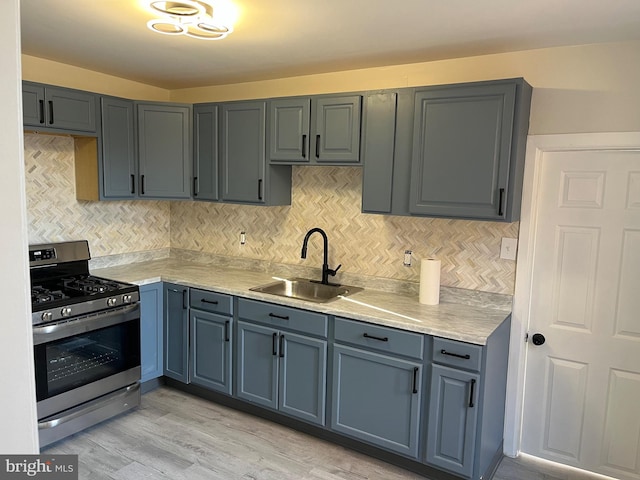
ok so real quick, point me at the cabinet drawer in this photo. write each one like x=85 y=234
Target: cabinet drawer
x=380 y=338
x=457 y=354
x=283 y=317
x=211 y=301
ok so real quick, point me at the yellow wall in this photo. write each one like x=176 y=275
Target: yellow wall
x=36 y=69
x=578 y=89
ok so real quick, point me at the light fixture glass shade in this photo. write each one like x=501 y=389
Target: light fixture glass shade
x=193 y=18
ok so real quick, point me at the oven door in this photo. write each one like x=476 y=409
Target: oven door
x=84 y=358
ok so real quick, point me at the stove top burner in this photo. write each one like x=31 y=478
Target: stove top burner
x=41 y=295
x=91 y=285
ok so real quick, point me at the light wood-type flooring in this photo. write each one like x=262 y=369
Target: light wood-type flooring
x=175 y=435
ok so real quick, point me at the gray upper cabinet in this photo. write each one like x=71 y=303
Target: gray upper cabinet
x=119 y=165
x=316 y=130
x=245 y=176
x=468 y=150
x=164 y=150
x=56 y=108
x=205 y=152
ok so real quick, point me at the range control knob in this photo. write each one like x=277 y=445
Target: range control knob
x=112 y=302
x=126 y=298
x=65 y=312
x=47 y=316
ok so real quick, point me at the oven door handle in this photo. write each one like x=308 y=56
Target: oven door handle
x=84 y=409
x=106 y=318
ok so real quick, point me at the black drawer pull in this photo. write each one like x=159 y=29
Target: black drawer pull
x=281 y=317
x=50 y=112
x=457 y=355
x=501 y=202
x=415 y=379
x=473 y=384
x=373 y=337
x=212 y=302
x=281 y=346
x=274 y=344
x=226 y=331
x=184 y=300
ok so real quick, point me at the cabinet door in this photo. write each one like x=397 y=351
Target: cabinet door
x=70 y=109
x=151 y=337
x=243 y=152
x=303 y=377
x=462 y=151
x=336 y=126
x=164 y=142
x=211 y=351
x=176 y=332
x=205 y=158
x=453 y=412
x=289 y=129
x=118 y=148
x=33 y=105
x=257 y=369
x=376 y=398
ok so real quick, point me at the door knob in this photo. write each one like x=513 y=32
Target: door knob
x=538 y=339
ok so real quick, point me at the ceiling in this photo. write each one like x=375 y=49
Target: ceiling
x=282 y=38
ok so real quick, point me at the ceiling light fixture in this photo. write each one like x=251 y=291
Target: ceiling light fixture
x=193 y=18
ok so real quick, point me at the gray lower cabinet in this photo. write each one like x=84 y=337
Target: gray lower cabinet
x=211 y=340
x=453 y=413
x=245 y=175
x=56 y=108
x=164 y=150
x=377 y=390
x=206 y=163
x=151 y=331
x=320 y=129
x=176 y=332
x=280 y=368
x=119 y=161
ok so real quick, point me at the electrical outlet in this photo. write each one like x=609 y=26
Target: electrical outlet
x=508 y=248
x=407 y=258
x=243 y=238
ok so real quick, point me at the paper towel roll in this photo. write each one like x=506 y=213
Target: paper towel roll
x=430 y=281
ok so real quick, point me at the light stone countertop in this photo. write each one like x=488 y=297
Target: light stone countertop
x=465 y=315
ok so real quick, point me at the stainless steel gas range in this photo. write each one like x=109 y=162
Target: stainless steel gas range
x=86 y=335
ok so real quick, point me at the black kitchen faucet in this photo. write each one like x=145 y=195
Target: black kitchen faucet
x=326 y=271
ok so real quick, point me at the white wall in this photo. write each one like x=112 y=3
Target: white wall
x=18 y=419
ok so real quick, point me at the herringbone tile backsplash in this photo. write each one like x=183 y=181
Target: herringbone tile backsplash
x=326 y=197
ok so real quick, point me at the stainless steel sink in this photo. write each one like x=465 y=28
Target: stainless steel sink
x=309 y=290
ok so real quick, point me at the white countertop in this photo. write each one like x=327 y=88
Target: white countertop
x=465 y=315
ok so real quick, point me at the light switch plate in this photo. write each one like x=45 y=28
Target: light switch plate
x=508 y=248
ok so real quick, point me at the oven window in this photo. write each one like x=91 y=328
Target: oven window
x=68 y=363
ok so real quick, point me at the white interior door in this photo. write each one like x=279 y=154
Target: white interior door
x=582 y=385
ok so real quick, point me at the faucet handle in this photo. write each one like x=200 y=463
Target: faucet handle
x=333 y=272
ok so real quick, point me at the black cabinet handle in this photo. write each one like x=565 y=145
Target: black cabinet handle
x=259 y=189
x=501 y=202
x=281 y=346
x=133 y=184
x=141 y=184
x=184 y=299
x=304 y=146
x=41 y=102
x=415 y=379
x=226 y=331
x=473 y=385
x=317 y=146
x=457 y=355
x=281 y=317
x=373 y=337
x=195 y=186
x=212 y=302
x=50 y=112
x=274 y=344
